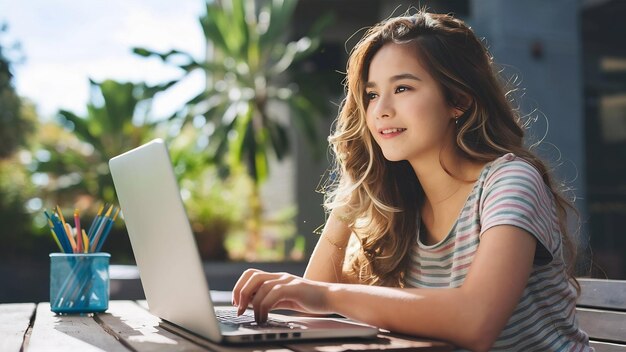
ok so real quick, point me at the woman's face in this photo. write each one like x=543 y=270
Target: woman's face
x=406 y=110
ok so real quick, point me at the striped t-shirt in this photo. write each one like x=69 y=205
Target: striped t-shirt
x=510 y=191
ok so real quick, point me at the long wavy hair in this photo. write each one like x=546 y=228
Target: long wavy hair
x=377 y=197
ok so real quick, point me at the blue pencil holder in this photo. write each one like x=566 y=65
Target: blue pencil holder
x=79 y=283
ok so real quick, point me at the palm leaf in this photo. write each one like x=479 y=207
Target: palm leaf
x=148 y=92
x=119 y=104
x=166 y=56
x=224 y=27
x=259 y=149
x=210 y=28
x=279 y=138
x=249 y=54
x=301 y=109
x=108 y=127
x=280 y=12
x=81 y=128
x=219 y=143
x=242 y=128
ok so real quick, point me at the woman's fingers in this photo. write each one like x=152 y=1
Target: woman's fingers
x=278 y=295
x=249 y=287
x=267 y=291
x=290 y=293
x=243 y=279
x=268 y=287
x=248 y=290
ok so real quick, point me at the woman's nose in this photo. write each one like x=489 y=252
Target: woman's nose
x=384 y=108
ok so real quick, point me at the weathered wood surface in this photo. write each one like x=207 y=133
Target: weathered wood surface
x=140 y=330
x=14 y=322
x=53 y=332
x=129 y=326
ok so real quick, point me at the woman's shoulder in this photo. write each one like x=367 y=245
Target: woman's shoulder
x=510 y=170
x=512 y=165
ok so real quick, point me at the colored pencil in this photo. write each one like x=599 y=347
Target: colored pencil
x=65 y=228
x=106 y=231
x=54 y=235
x=77 y=232
x=85 y=242
x=77 y=240
x=60 y=231
x=95 y=223
x=103 y=223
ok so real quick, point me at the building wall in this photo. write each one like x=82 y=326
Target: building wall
x=539 y=41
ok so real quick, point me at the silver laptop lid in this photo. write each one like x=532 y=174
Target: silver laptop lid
x=162 y=240
x=169 y=264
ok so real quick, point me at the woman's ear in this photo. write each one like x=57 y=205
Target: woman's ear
x=461 y=104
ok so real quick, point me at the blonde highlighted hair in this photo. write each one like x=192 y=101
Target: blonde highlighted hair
x=381 y=198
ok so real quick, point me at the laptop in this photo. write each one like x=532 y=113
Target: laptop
x=169 y=263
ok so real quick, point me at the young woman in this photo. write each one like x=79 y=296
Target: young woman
x=461 y=234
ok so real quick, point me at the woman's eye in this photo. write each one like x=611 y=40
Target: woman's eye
x=371 y=95
x=401 y=89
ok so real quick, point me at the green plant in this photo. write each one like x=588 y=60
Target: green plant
x=17 y=240
x=17 y=121
x=250 y=74
x=14 y=128
x=211 y=202
x=71 y=154
x=76 y=158
x=216 y=206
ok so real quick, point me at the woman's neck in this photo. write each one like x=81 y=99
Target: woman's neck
x=445 y=192
x=439 y=185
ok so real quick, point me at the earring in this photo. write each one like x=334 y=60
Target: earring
x=456 y=119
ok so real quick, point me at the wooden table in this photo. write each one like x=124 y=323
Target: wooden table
x=128 y=326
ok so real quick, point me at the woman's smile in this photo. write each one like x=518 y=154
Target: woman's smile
x=390 y=132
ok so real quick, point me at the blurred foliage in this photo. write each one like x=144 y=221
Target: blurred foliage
x=17 y=121
x=220 y=141
x=217 y=209
x=211 y=202
x=251 y=76
x=70 y=164
x=69 y=159
x=17 y=234
x=14 y=128
x=74 y=161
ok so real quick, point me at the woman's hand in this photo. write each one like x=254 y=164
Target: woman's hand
x=267 y=291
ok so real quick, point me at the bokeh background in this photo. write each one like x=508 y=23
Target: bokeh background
x=245 y=92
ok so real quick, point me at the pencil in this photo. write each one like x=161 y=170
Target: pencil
x=68 y=229
x=79 y=234
x=103 y=222
x=60 y=231
x=77 y=240
x=85 y=242
x=95 y=223
x=54 y=235
x=65 y=228
x=106 y=231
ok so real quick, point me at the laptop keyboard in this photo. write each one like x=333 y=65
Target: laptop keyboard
x=230 y=317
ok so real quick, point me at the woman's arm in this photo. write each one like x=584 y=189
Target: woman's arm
x=471 y=316
x=326 y=262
